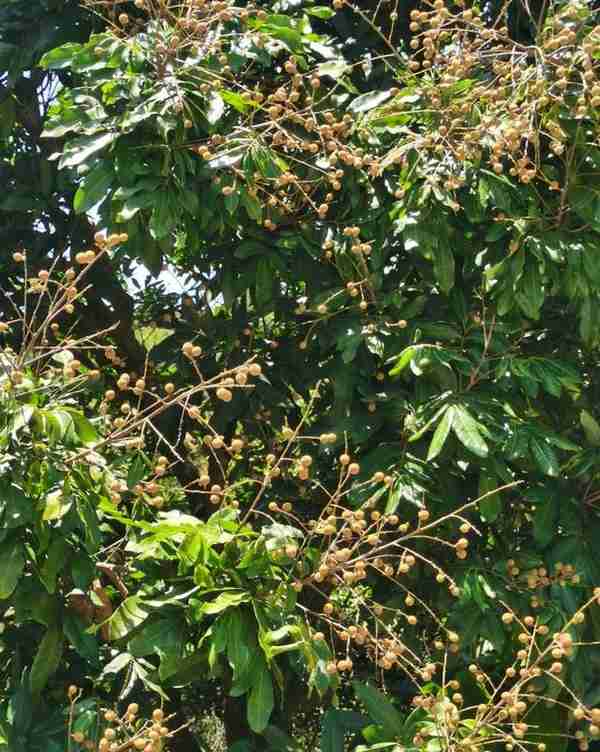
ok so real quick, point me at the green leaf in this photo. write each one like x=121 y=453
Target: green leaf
x=8 y=113
x=93 y=188
x=56 y=505
x=548 y=721
x=380 y=709
x=228 y=158
x=290 y=37
x=261 y=700
x=241 y=642
x=47 y=659
x=80 y=149
x=590 y=428
x=19 y=508
x=12 y=563
x=586 y=203
x=151 y=336
x=85 y=644
x=232 y=201
x=224 y=601
x=252 y=206
x=56 y=559
x=264 y=282
x=441 y=434
x=130 y=614
x=335 y=725
x=237 y=101
x=369 y=101
x=467 y=431
x=60 y=57
x=545 y=520
x=405 y=358
x=279 y=741
x=163 y=636
x=334 y=68
x=133 y=204
x=545 y=457
x=530 y=293
x=321 y=11
x=491 y=506
x=137 y=470
x=118 y=663
x=443 y=266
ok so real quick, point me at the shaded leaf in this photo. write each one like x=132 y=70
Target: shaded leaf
x=47 y=659
x=12 y=563
x=380 y=709
x=261 y=700
x=467 y=431
x=335 y=725
x=441 y=434
x=545 y=457
x=590 y=428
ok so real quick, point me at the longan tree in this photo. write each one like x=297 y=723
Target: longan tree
x=362 y=443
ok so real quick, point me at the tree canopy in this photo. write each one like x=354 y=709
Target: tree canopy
x=350 y=461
